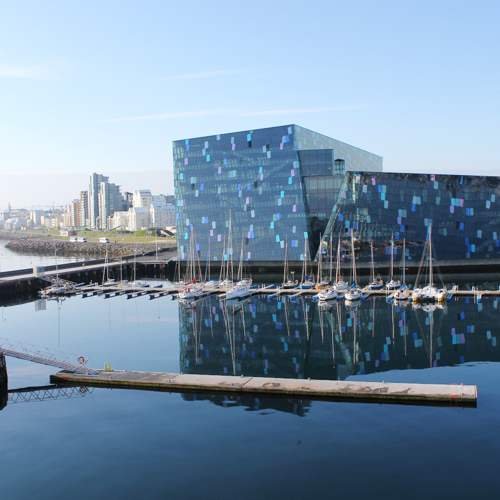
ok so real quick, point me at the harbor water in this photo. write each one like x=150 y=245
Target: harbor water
x=10 y=260
x=102 y=443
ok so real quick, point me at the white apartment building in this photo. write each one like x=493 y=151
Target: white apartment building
x=119 y=220
x=138 y=218
x=142 y=198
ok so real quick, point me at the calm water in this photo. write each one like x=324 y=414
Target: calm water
x=10 y=260
x=130 y=444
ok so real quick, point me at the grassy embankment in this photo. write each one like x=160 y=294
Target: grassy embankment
x=139 y=237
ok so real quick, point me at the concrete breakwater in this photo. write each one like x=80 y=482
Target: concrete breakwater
x=46 y=246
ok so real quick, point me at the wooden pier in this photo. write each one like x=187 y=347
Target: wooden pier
x=381 y=392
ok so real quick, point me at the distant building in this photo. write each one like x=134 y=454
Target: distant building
x=129 y=200
x=36 y=218
x=75 y=213
x=84 y=209
x=110 y=201
x=120 y=220
x=138 y=218
x=93 y=198
x=142 y=198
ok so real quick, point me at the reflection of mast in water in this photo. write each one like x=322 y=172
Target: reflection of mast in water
x=321 y=311
x=230 y=334
x=339 y=320
x=431 y=335
x=405 y=333
x=285 y=307
x=393 y=325
x=305 y=309
x=333 y=337
x=354 y=317
x=373 y=316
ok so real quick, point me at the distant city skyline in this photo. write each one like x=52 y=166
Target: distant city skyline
x=415 y=82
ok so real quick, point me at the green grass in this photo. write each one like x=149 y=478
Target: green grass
x=113 y=236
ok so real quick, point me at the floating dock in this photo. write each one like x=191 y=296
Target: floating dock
x=381 y=392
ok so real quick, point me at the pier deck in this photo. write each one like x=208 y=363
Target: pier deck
x=438 y=394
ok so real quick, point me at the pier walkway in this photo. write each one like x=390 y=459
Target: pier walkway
x=41 y=357
x=438 y=394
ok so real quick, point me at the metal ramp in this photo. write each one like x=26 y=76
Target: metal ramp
x=43 y=357
x=46 y=393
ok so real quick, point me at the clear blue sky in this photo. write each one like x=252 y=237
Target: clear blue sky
x=107 y=85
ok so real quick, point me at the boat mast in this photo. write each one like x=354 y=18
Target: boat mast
x=431 y=277
x=230 y=249
x=240 y=265
x=222 y=264
x=207 y=267
x=319 y=273
x=285 y=265
x=331 y=257
x=404 y=261
x=373 y=263
x=338 y=275
x=304 y=265
x=354 y=277
x=392 y=258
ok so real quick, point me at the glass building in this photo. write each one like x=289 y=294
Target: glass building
x=255 y=193
x=258 y=191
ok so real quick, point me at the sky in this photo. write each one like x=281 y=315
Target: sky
x=106 y=86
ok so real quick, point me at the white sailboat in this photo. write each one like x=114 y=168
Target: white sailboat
x=375 y=283
x=429 y=293
x=403 y=293
x=328 y=293
x=210 y=284
x=287 y=281
x=340 y=286
x=243 y=286
x=306 y=283
x=392 y=284
x=354 y=293
x=192 y=289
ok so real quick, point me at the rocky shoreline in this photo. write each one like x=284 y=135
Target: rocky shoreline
x=42 y=246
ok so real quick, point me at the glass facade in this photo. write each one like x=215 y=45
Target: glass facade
x=289 y=186
x=463 y=210
x=252 y=190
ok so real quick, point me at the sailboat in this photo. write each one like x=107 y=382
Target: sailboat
x=210 y=284
x=354 y=293
x=192 y=289
x=328 y=293
x=429 y=293
x=392 y=284
x=227 y=280
x=243 y=286
x=403 y=293
x=376 y=283
x=287 y=281
x=340 y=286
x=320 y=282
x=307 y=283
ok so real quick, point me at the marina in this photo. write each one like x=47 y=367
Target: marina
x=266 y=336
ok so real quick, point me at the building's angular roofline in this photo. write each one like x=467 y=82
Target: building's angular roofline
x=336 y=140
x=237 y=132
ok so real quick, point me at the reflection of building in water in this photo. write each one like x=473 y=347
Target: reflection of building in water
x=4 y=395
x=299 y=407
x=40 y=305
x=293 y=337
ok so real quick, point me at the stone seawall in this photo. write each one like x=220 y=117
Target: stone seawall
x=42 y=246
